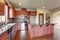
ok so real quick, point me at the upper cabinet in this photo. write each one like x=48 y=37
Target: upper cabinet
x=10 y=12
x=17 y=14
x=1 y=8
x=23 y=11
x=14 y=13
x=33 y=13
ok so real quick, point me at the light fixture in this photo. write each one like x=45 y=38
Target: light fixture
x=43 y=6
x=19 y=3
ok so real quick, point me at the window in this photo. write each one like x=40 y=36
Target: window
x=33 y=20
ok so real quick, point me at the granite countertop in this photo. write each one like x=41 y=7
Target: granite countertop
x=6 y=27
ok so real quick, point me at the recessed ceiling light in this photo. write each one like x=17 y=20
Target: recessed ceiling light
x=43 y=6
x=19 y=3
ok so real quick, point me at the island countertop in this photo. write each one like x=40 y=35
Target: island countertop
x=4 y=28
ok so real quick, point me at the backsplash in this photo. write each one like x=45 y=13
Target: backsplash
x=2 y=18
x=15 y=20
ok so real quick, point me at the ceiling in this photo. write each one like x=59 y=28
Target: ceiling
x=33 y=4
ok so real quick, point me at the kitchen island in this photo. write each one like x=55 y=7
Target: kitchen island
x=8 y=30
x=40 y=31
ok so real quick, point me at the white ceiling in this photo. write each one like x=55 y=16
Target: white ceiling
x=49 y=4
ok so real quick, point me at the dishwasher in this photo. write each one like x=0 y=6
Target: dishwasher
x=11 y=33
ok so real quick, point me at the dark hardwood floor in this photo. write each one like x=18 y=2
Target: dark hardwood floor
x=24 y=35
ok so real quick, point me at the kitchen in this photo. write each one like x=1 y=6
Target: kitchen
x=38 y=22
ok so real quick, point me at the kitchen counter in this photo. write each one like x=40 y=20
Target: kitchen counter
x=6 y=27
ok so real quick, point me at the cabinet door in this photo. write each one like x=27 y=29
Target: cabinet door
x=14 y=13
x=4 y=36
x=17 y=14
x=10 y=12
x=1 y=8
x=33 y=13
x=15 y=30
x=6 y=39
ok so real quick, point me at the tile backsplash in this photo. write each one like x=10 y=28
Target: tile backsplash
x=2 y=18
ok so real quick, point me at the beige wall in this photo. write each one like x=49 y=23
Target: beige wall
x=55 y=17
x=44 y=11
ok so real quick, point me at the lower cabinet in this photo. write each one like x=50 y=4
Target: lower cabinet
x=16 y=28
x=10 y=33
x=4 y=36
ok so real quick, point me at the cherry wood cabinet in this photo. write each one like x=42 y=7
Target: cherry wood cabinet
x=16 y=28
x=17 y=14
x=23 y=11
x=4 y=36
x=1 y=8
x=10 y=12
x=14 y=13
x=33 y=13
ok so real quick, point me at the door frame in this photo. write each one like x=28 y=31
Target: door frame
x=42 y=19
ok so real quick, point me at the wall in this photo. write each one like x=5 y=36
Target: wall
x=44 y=11
x=55 y=17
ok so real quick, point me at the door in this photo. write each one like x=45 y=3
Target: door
x=41 y=19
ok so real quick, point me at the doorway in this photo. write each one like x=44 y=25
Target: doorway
x=41 y=19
